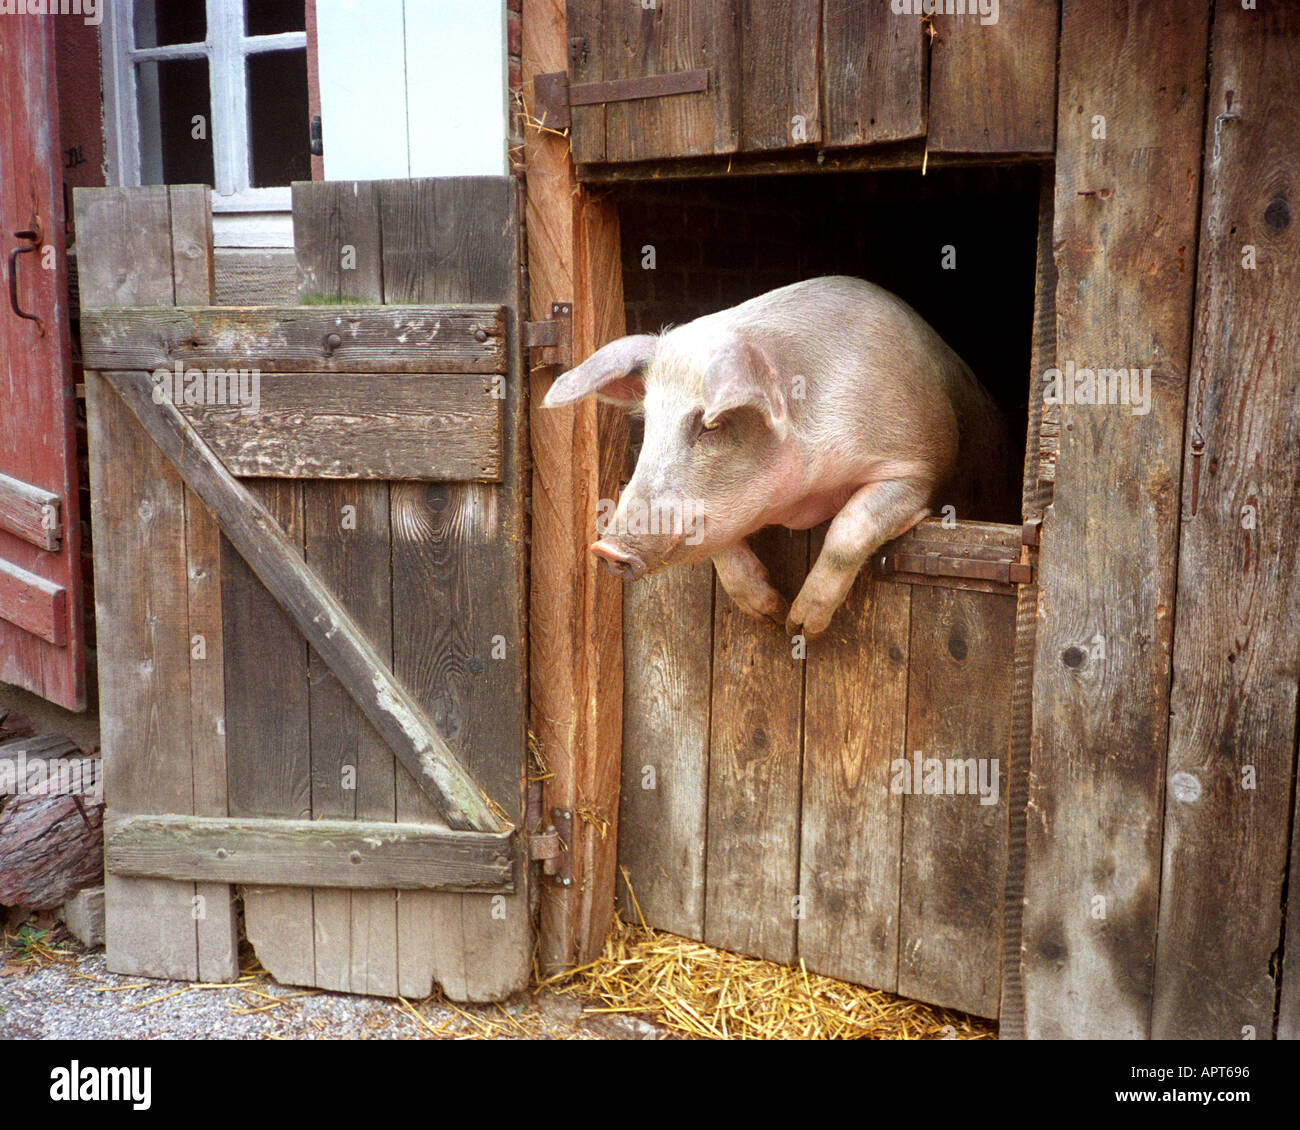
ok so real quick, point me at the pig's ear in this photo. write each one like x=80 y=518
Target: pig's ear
x=741 y=375
x=613 y=372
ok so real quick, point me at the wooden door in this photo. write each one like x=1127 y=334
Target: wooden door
x=703 y=78
x=41 y=642
x=311 y=601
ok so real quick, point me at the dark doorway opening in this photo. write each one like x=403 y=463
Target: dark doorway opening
x=957 y=244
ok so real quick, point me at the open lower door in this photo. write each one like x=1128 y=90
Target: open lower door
x=42 y=647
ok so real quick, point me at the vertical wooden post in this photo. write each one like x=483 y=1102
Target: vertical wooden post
x=576 y=661
x=1127 y=182
x=1232 y=736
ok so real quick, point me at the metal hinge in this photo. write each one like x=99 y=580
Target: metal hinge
x=551 y=847
x=963 y=568
x=554 y=336
x=552 y=94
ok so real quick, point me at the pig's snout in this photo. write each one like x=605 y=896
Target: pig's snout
x=624 y=565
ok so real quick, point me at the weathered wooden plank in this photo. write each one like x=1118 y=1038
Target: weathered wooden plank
x=873 y=67
x=141 y=606
x=779 y=81
x=581 y=29
x=30 y=513
x=268 y=728
x=755 y=755
x=993 y=85
x=458 y=575
x=319 y=616
x=954 y=843
x=350 y=426
x=575 y=608
x=217 y=933
x=667 y=629
x=412 y=339
x=33 y=603
x=855 y=721
x=662 y=40
x=1232 y=731
x=348 y=542
x=307 y=853
x=1101 y=670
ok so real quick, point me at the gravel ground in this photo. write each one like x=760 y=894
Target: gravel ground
x=71 y=996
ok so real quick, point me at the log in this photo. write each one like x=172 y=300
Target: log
x=51 y=837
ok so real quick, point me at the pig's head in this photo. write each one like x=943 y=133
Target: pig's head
x=716 y=444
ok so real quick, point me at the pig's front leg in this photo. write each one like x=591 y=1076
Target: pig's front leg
x=871 y=517
x=745 y=578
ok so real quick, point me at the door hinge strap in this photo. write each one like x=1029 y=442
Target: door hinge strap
x=553 y=95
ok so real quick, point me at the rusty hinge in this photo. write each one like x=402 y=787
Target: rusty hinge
x=963 y=568
x=553 y=336
x=551 y=847
x=552 y=94
x=1031 y=530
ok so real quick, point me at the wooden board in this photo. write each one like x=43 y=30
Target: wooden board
x=954 y=844
x=1124 y=296
x=667 y=660
x=160 y=707
x=354 y=426
x=779 y=81
x=30 y=513
x=458 y=574
x=268 y=734
x=37 y=605
x=855 y=720
x=1232 y=736
x=293 y=339
x=307 y=853
x=993 y=86
x=873 y=66
x=348 y=542
x=755 y=756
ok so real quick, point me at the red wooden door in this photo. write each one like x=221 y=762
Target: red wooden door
x=41 y=641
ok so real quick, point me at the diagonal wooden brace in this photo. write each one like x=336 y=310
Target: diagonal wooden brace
x=257 y=537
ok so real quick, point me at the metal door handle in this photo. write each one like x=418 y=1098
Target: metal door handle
x=34 y=244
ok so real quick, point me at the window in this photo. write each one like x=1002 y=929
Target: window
x=212 y=94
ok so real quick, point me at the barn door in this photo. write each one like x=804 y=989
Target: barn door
x=41 y=644
x=312 y=598
x=699 y=78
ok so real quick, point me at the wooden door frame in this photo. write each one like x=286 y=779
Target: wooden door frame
x=576 y=610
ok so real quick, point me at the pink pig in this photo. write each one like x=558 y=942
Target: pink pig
x=827 y=399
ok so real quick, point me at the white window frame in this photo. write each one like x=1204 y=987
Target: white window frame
x=226 y=48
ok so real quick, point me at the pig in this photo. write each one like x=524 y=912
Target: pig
x=827 y=399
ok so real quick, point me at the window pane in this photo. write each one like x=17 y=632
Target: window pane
x=175 y=122
x=271 y=17
x=278 y=129
x=160 y=23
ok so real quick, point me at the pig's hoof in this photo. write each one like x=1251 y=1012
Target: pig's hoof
x=810 y=622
